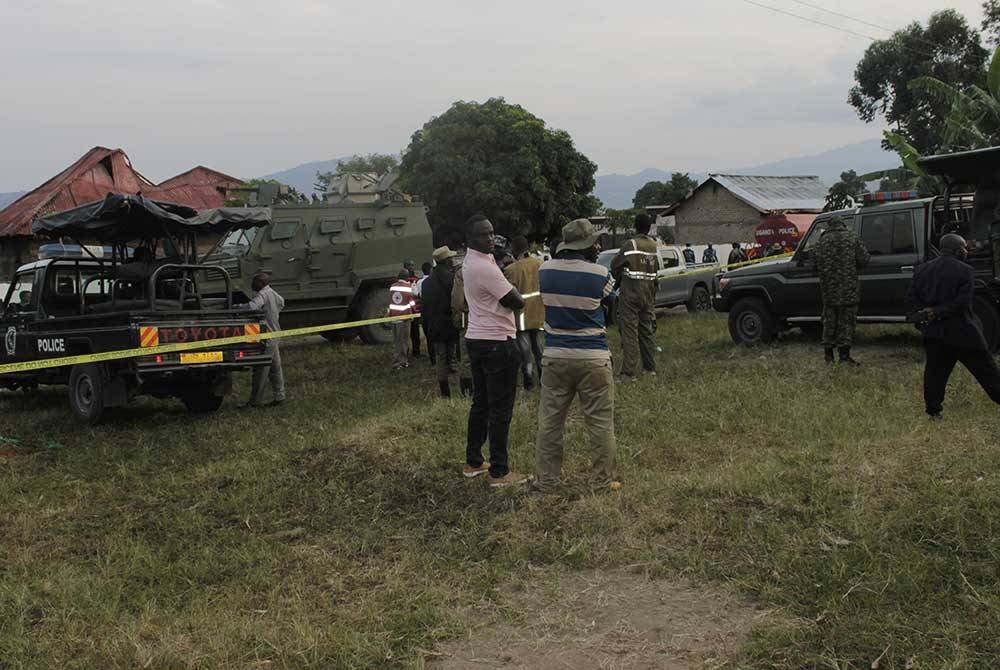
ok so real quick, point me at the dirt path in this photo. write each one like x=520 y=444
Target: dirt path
x=609 y=620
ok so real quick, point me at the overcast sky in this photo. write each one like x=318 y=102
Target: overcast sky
x=251 y=87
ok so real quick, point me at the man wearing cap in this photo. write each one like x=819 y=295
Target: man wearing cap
x=839 y=255
x=493 y=356
x=635 y=268
x=442 y=335
x=943 y=291
x=576 y=361
x=523 y=274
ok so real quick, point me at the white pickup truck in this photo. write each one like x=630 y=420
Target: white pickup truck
x=678 y=283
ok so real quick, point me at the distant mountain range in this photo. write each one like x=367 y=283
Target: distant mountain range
x=303 y=177
x=7 y=198
x=617 y=190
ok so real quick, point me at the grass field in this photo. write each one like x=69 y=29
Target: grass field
x=321 y=534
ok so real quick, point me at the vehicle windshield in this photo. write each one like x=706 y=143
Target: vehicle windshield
x=605 y=257
x=812 y=237
x=240 y=239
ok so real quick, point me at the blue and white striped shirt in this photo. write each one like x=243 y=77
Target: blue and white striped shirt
x=572 y=290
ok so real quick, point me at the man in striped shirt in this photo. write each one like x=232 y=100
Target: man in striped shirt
x=576 y=361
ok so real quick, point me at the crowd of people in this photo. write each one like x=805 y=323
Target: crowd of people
x=487 y=305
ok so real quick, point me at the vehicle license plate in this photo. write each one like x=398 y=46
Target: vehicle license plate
x=202 y=357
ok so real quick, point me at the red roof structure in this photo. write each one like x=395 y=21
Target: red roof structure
x=101 y=171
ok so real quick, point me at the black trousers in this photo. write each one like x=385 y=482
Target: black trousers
x=495 y=366
x=941 y=359
x=529 y=342
x=415 y=336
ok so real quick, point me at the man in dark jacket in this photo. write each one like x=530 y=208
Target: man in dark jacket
x=943 y=290
x=839 y=256
x=442 y=335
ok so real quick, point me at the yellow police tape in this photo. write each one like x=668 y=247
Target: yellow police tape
x=294 y=332
x=724 y=268
x=188 y=346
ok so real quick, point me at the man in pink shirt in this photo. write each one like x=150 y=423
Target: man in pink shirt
x=493 y=355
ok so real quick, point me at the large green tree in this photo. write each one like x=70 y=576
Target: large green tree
x=947 y=48
x=844 y=193
x=498 y=159
x=664 y=192
x=991 y=21
x=378 y=164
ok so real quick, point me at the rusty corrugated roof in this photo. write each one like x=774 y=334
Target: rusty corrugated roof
x=101 y=171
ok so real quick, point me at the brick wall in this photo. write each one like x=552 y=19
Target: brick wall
x=714 y=215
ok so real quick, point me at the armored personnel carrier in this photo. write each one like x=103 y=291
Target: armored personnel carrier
x=331 y=262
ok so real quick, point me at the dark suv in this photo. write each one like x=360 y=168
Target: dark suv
x=899 y=230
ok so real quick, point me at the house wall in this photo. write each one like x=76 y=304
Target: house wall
x=714 y=215
x=14 y=251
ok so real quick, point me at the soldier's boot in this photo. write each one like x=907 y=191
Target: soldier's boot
x=828 y=355
x=465 y=384
x=445 y=389
x=845 y=356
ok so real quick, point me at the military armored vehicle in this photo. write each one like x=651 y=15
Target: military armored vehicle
x=331 y=262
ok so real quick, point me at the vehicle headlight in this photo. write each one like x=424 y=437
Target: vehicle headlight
x=724 y=283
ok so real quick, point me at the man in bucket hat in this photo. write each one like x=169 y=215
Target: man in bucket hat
x=576 y=361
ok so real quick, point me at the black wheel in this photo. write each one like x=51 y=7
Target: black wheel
x=986 y=310
x=342 y=335
x=201 y=400
x=86 y=392
x=375 y=305
x=750 y=322
x=700 y=300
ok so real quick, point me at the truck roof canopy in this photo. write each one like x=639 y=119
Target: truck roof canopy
x=124 y=218
x=965 y=167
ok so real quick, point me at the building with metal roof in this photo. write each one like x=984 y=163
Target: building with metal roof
x=728 y=208
x=95 y=174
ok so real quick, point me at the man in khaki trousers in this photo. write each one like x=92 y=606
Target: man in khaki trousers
x=576 y=361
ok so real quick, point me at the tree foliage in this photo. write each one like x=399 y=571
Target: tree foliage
x=498 y=159
x=991 y=21
x=378 y=164
x=947 y=49
x=844 y=193
x=664 y=192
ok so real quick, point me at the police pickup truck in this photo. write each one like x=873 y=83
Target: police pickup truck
x=72 y=306
x=900 y=230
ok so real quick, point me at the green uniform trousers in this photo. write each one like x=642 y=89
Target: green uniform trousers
x=838 y=325
x=636 y=319
x=563 y=379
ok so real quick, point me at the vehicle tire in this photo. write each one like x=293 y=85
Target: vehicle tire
x=202 y=400
x=375 y=305
x=86 y=392
x=700 y=300
x=341 y=335
x=750 y=322
x=986 y=311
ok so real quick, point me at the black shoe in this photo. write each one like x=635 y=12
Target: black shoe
x=445 y=389
x=845 y=357
x=275 y=403
x=828 y=355
x=935 y=417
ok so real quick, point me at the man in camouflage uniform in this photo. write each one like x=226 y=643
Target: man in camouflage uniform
x=634 y=269
x=839 y=256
